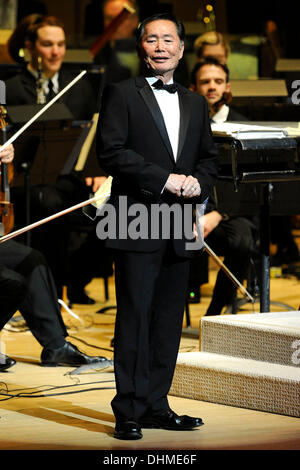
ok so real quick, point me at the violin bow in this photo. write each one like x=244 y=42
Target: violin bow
x=235 y=281
x=41 y=111
x=101 y=196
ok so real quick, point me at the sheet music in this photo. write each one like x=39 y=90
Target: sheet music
x=246 y=131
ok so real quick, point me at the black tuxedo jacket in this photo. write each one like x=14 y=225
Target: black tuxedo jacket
x=133 y=146
x=80 y=99
x=233 y=115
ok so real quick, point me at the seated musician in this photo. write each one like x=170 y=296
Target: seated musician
x=26 y=284
x=41 y=79
x=231 y=237
x=38 y=83
x=210 y=78
x=212 y=44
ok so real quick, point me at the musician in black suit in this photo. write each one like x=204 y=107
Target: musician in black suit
x=210 y=78
x=45 y=39
x=42 y=78
x=159 y=149
x=80 y=99
x=232 y=237
x=26 y=284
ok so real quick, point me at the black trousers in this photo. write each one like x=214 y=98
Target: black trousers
x=151 y=291
x=235 y=240
x=26 y=284
x=13 y=291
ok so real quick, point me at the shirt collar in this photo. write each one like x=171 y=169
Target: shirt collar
x=152 y=80
x=45 y=79
x=222 y=114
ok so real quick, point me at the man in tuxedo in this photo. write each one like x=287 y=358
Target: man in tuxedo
x=231 y=237
x=156 y=142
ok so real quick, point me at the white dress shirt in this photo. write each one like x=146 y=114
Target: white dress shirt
x=45 y=80
x=169 y=106
x=221 y=115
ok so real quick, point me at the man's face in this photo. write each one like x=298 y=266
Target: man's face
x=215 y=50
x=111 y=11
x=211 y=83
x=161 y=48
x=51 y=47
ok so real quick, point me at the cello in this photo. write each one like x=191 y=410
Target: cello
x=6 y=177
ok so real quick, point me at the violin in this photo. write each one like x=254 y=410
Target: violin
x=226 y=99
x=110 y=29
x=6 y=177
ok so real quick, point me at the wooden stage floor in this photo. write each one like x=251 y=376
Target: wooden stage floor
x=51 y=409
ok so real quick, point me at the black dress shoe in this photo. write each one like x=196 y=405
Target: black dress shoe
x=128 y=430
x=68 y=355
x=190 y=421
x=171 y=421
x=6 y=362
x=80 y=297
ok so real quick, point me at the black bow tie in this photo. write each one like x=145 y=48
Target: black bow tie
x=159 y=85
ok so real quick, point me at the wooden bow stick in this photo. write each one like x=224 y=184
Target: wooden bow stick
x=110 y=29
x=101 y=197
x=229 y=273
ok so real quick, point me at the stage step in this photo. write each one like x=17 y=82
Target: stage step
x=238 y=382
x=268 y=337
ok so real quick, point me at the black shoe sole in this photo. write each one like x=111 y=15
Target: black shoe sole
x=128 y=437
x=105 y=364
x=4 y=368
x=168 y=428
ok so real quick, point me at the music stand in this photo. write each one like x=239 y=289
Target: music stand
x=258 y=88
x=260 y=100
x=288 y=69
x=30 y=147
x=287 y=65
x=265 y=178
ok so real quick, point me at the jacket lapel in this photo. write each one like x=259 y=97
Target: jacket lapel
x=29 y=84
x=184 y=118
x=150 y=100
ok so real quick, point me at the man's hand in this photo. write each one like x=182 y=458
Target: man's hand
x=95 y=182
x=7 y=155
x=190 y=187
x=174 y=184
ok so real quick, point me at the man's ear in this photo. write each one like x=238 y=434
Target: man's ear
x=181 y=50
x=228 y=87
x=192 y=87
